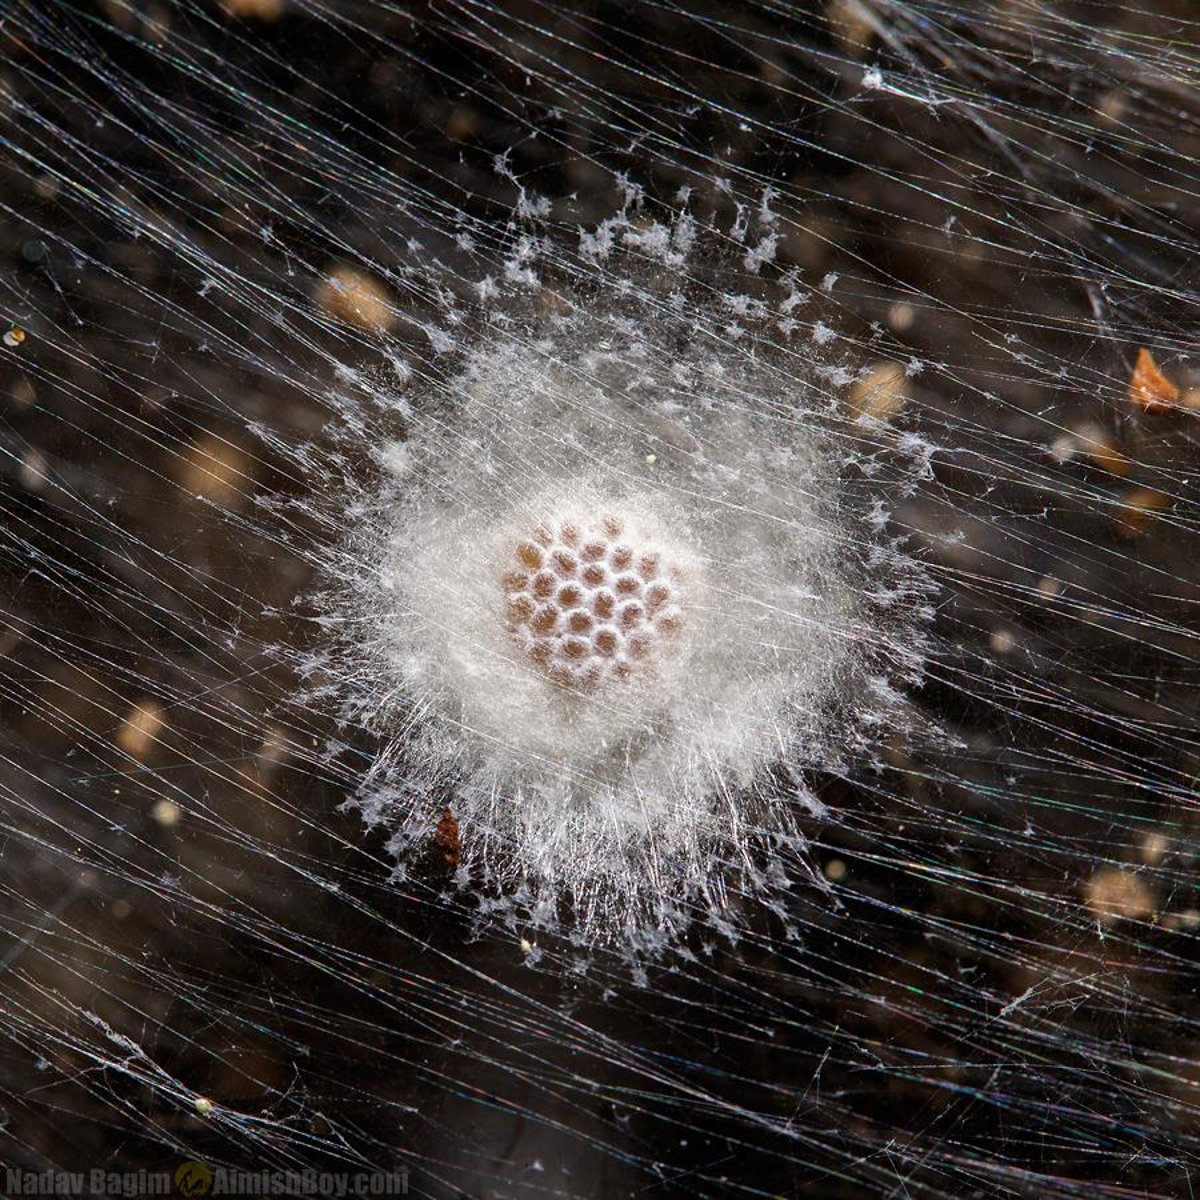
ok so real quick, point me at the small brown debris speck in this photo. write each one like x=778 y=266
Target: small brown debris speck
x=882 y=392
x=447 y=838
x=1002 y=641
x=554 y=304
x=1102 y=449
x=1154 y=848
x=259 y=10
x=463 y=122
x=166 y=813
x=10 y=637
x=33 y=473
x=214 y=470
x=1188 y=919
x=23 y=393
x=1138 y=508
x=901 y=316
x=157 y=24
x=1149 y=388
x=352 y=296
x=851 y=26
x=141 y=728
x=121 y=15
x=1064 y=448
x=1112 y=107
x=1114 y=894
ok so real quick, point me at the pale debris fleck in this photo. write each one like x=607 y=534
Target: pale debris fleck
x=1114 y=894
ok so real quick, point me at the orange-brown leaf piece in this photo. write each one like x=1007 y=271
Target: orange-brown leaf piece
x=446 y=838
x=1149 y=387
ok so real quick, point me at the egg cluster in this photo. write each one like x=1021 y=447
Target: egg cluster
x=588 y=605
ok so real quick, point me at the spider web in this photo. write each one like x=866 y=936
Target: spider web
x=242 y=241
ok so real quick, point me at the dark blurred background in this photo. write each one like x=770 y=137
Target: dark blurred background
x=205 y=957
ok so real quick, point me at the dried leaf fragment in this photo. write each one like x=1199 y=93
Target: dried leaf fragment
x=1149 y=388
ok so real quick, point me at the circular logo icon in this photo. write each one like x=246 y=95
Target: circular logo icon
x=193 y=1179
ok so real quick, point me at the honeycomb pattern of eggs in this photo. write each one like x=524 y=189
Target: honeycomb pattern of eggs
x=587 y=605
